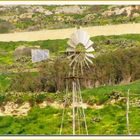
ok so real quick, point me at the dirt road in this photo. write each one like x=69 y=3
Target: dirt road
x=106 y=30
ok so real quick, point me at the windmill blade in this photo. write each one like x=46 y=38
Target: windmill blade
x=89 y=43
x=83 y=37
x=80 y=35
x=39 y=55
x=71 y=55
x=90 y=49
x=75 y=58
x=70 y=49
x=86 y=39
x=86 y=63
x=90 y=55
x=75 y=38
x=88 y=60
x=70 y=43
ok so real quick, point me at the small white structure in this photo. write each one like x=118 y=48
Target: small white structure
x=39 y=55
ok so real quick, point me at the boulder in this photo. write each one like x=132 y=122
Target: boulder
x=69 y=10
x=126 y=11
x=136 y=15
x=23 y=51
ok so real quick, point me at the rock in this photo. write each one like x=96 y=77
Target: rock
x=97 y=83
x=115 y=95
x=56 y=105
x=136 y=15
x=33 y=28
x=96 y=119
x=108 y=13
x=47 y=13
x=12 y=109
x=43 y=104
x=137 y=7
x=3 y=9
x=1 y=112
x=113 y=101
x=89 y=17
x=126 y=11
x=26 y=16
x=23 y=51
x=95 y=106
x=69 y=10
x=39 y=9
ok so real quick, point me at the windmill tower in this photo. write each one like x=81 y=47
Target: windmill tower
x=79 y=53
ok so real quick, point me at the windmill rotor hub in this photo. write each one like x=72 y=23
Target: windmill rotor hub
x=80 y=48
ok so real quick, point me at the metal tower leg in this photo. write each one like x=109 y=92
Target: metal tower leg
x=73 y=106
x=78 y=113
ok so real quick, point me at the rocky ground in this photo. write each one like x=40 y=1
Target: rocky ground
x=30 y=18
x=11 y=108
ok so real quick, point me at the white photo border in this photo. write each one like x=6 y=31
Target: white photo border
x=43 y=137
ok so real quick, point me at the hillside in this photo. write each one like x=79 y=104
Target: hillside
x=24 y=109
x=106 y=112
x=33 y=18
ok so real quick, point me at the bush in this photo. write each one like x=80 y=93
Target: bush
x=2 y=99
x=40 y=98
x=5 y=27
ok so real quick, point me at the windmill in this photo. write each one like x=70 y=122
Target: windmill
x=79 y=53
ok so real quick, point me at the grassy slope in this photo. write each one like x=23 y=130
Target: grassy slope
x=80 y=19
x=112 y=116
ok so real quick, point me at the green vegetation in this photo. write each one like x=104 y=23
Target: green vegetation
x=55 y=17
x=109 y=120
x=101 y=94
x=116 y=64
x=102 y=44
x=39 y=121
x=5 y=26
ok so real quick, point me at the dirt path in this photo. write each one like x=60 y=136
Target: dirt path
x=106 y=30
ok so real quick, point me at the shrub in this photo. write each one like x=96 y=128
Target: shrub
x=2 y=99
x=5 y=27
x=40 y=98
